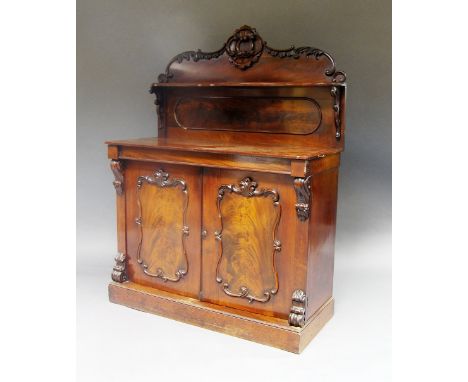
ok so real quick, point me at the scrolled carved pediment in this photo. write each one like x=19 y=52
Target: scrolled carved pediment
x=244 y=49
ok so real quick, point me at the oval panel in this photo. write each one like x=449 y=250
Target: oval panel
x=279 y=115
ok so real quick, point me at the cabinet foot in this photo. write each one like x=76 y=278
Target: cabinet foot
x=119 y=273
x=298 y=308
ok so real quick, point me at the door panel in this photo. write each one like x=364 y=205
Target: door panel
x=252 y=259
x=162 y=207
x=163 y=225
x=247 y=244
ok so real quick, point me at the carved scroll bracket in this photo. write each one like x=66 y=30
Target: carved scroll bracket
x=303 y=196
x=119 y=274
x=117 y=167
x=159 y=102
x=298 y=308
x=335 y=92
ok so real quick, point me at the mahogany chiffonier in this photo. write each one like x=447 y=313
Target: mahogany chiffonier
x=227 y=219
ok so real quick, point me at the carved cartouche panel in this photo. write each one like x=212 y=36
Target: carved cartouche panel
x=288 y=115
x=247 y=242
x=162 y=205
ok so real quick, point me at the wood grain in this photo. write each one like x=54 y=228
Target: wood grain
x=280 y=115
x=198 y=159
x=229 y=143
x=290 y=262
x=246 y=252
x=315 y=131
x=162 y=239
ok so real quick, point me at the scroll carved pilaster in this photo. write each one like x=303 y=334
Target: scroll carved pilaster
x=298 y=308
x=116 y=167
x=119 y=273
x=303 y=196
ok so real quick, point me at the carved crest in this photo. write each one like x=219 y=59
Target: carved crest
x=245 y=47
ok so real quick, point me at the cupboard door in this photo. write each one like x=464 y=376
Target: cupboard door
x=163 y=226
x=249 y=247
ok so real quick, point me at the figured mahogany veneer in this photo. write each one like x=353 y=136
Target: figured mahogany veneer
x=227 y=219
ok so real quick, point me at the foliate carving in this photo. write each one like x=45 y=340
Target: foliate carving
x=189 y=55
x=116 y=167
x=119 y=274
x=298 y=308
x=335 y=92
x=245 y=47
x=161 y=179
x=302 y=188
x=248 y=188
x=307 y=51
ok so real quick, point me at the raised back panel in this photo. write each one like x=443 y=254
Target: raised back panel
x=249 y=91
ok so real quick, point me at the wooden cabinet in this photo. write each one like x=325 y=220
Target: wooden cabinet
x=227 y=219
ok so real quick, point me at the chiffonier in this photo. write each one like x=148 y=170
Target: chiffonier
x=226 y=219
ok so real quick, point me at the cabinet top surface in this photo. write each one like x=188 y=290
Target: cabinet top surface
x=232 y=147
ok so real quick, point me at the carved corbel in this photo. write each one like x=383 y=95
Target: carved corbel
x=298 y=309
x=116 y=167
x=302 y=188
x=119 y=274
